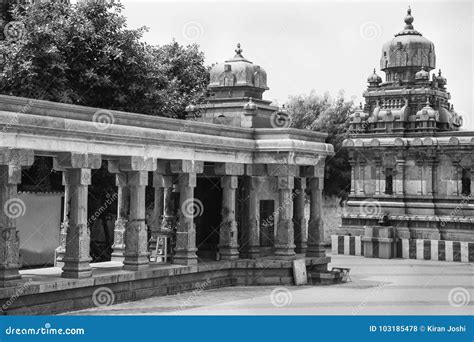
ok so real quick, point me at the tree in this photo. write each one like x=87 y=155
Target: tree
x=84 y=54
x=329 y=115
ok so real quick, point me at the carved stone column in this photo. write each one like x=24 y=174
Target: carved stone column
x=228 y=233
x=123 y=207
x=353 y=174
x=284 y=243
x=158 y=209
x=169 y=219
x=228 y=245
x=430 y=173
x=185 y=252
x=61 y=250
x=77 y=257
x=400 y=177
x=136 y=236
x=378 y=176
x=299 y=219
x=361 y=185
x=472 y=180
x=11 y=208
x=315 y=224
x=78 y=177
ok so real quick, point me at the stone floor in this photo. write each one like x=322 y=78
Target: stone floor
x=378 y=287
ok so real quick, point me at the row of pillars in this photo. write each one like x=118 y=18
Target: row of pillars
x=131 y=237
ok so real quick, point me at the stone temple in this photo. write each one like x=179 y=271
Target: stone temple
x=412 y=167
x=229 y=193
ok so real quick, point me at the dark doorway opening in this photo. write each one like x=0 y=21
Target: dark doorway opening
x=466 y=182
x=267 y=223
x=389 y=181
x=208 y=206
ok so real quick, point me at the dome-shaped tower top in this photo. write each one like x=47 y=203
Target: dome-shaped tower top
x=404 y=55
x=374 y=79
x=238 y=77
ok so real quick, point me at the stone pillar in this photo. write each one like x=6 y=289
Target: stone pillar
x=299 y=219
x=168 y=216
x=186 y=234
x=315 y=224
x=158 y=208
x=77 y=257
x=284 y=242
x=361 y=185
x=419 y=165
x=472 y=180
x=228 y=244
x=61 y=250
x=185 y=251
x=430 y=165
x=353 y=180
x=76 y=169
x=228 y=232
x=378 y=175
x=400 y=177
x=252 y=229
x=11 y=208
x=123 y=205
x=136 y=237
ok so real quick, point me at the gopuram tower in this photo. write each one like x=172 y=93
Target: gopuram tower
x=411 y=190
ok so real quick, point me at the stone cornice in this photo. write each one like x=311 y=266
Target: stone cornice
x=54 y=127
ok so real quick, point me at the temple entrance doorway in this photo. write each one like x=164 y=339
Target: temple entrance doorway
x=208 y=204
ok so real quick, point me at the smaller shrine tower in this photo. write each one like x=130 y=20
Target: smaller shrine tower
x=236 y=97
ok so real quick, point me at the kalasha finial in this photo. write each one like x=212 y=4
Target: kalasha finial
x=439 y=72
x=374 y=70
x=409 y=20
x=238 y=51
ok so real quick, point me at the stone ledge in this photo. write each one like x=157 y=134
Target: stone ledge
x=44 y=292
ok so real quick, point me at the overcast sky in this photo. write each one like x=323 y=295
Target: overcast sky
x=326 y=46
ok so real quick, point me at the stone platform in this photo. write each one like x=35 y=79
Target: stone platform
x=43 y=291
x=422 y=249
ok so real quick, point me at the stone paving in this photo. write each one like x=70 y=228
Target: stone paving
x=378 y=287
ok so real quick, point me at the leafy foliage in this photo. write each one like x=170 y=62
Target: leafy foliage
x=329 y=115
x=84 y=54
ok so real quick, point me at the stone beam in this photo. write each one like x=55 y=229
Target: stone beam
x=231 y=169
x=137 y=163
x=71 y=160
x=255 y=170
x=186 y=166
x=282 y=170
